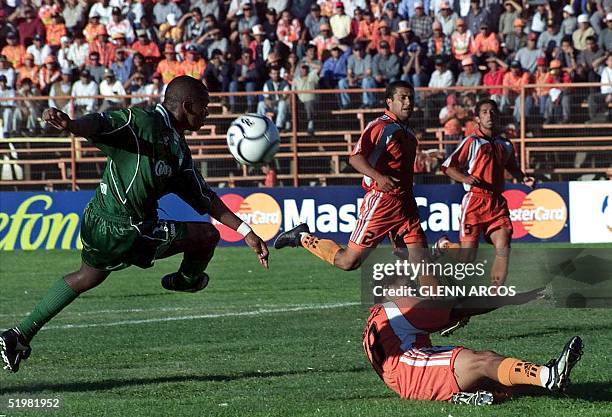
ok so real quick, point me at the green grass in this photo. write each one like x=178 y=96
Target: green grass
x=304 y=362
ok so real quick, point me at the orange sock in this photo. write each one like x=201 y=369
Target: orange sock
x=517 y=372
x=323 y=248
x=451 y=245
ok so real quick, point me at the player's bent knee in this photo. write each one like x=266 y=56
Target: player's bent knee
x=347 y=261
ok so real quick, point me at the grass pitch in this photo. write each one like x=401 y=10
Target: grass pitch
x=283 y=342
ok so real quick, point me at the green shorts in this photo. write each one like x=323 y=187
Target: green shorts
x=112 y=242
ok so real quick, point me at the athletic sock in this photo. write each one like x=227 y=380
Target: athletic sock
x=513 y=371
x=450 y=245
x=192 y=267
x=323 y=248
x=58 y=297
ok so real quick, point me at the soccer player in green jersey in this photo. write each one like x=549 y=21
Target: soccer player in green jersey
x=148 y=158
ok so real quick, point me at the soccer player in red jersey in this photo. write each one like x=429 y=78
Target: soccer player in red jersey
x=397 y=343
x=479 y=163
x=385 y=155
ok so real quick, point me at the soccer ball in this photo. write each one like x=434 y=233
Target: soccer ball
x=253 y=139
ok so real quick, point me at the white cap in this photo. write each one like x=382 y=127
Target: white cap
x=258 y=30
x=171 y=18
x=418 y=3
x=583 y=18
x=403 y=26
x=569 y=10
x=64 y=39
x=609 y=17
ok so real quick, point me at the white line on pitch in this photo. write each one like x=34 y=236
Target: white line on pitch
x=205 y=316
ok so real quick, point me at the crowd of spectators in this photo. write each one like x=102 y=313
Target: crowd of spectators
x=113 y=48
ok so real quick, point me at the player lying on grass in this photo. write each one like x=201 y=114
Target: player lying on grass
x=385 y=155
x=148 y=158
x=397 y=343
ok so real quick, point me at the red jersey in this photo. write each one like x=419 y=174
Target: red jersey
x=484 y=158
x=390 y=148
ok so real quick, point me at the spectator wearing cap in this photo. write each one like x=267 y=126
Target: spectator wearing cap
x=314 y=21
x=136 y=85
x=385 y=65
x=112 y=90
x=103 y=48
x=591 y=58
x=14 y=52
x=325 y=41
x=340 y=22
x=49 y=73
x=515 y=80
x=169 y=67
x=391 y=17
x=599 y=101
x=56 y=29
x=359 y=74
x=485 y=42
x=61 y=87
x=27 y=112
x=83 y=87
x=476 y=16
x=451 y=117
x=447 y=18
x=461 y=40
x=219 y=42
x=6 y=106
x=93 y=28
x=39 y=49
x=334 y=68
x=438 y=44
x=368 y=27
x=248 y=19
x=551 y=39
x=207 y=7
x=217 y=72
x=558 y=103
x=193 y=65
x=246 y=77
x=7 y=71
x=119 y=24
x=543 y=13
x=275 y=106
x=528 y=55
x=384 y=34
x=581 y=34
x=420 y=23
x=567 y=55
x=494 y=77
x=73 y=14
x=122 y=65
x=260 y=46
x=96 y=69
x=468 y=77
x=62 y=53
x=310 y=59
x=148 y=49
x=605 y=37
x=442 y=77
x=569 y=23
x=31 y=25
x=540 y=94
x=28 y=70
x=407 y=8
x=307 y=78
x=6 y=27
x=515 y=40
x=103 y=10
x=507 y=20
x=163 y=8
x=192 y=25
x=407 y=39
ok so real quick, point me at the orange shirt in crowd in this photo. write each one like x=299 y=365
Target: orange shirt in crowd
x=515 y=81
x=540 y=78
x=105 y=51
x=367 y=30
x=148 y=51
x=461 y=44
x=31 y=73
x=91 y=31
x=169 y=70
x=55 y=31
x=15 y=54
x=486 y=44
x=194 y=69
x=48 y=76
x=378 y=38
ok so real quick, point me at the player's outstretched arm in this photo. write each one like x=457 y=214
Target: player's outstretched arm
x=223 y=214
x=361 y=164
x=473 y=306
x=85 y=126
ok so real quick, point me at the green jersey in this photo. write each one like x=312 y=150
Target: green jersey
x=147 y=159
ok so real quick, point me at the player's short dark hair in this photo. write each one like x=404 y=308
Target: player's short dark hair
x=486 y=101
x=393 y=86
x=184 y=88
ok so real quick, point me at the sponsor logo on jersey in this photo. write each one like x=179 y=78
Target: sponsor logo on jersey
x=542 y=213
x=258 y=210
x=162 y=169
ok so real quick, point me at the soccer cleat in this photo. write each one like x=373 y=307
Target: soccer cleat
x=291 y=237
x=451 y=329
x=175 y=282
x=14 y=349
x=436 y=249
x=561 y=367
x=473 y=398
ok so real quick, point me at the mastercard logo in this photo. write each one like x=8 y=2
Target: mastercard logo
x=541 y=213
x=259 y=210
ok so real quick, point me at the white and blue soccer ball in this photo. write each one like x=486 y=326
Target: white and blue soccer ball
x=253 y=139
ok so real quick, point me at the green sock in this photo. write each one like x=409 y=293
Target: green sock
x=58 y=297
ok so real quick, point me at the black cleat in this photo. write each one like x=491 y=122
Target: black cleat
x=473 y=398
x=291 y=237
x=176 y=282
x=560 y=368
x=14 y=349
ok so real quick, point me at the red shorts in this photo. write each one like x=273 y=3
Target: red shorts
x=483 y=214
x=381 y=213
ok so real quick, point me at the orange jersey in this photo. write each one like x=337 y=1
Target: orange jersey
x=484 y=158
x=91 y=31
x=148 y=51
x=105 y=50
x=484 y=44
x=55 y=33
x=169 y=70
x=15 y=54
x=194 y=69
x=31 y=73
x=390 y=147
x=515 y=83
